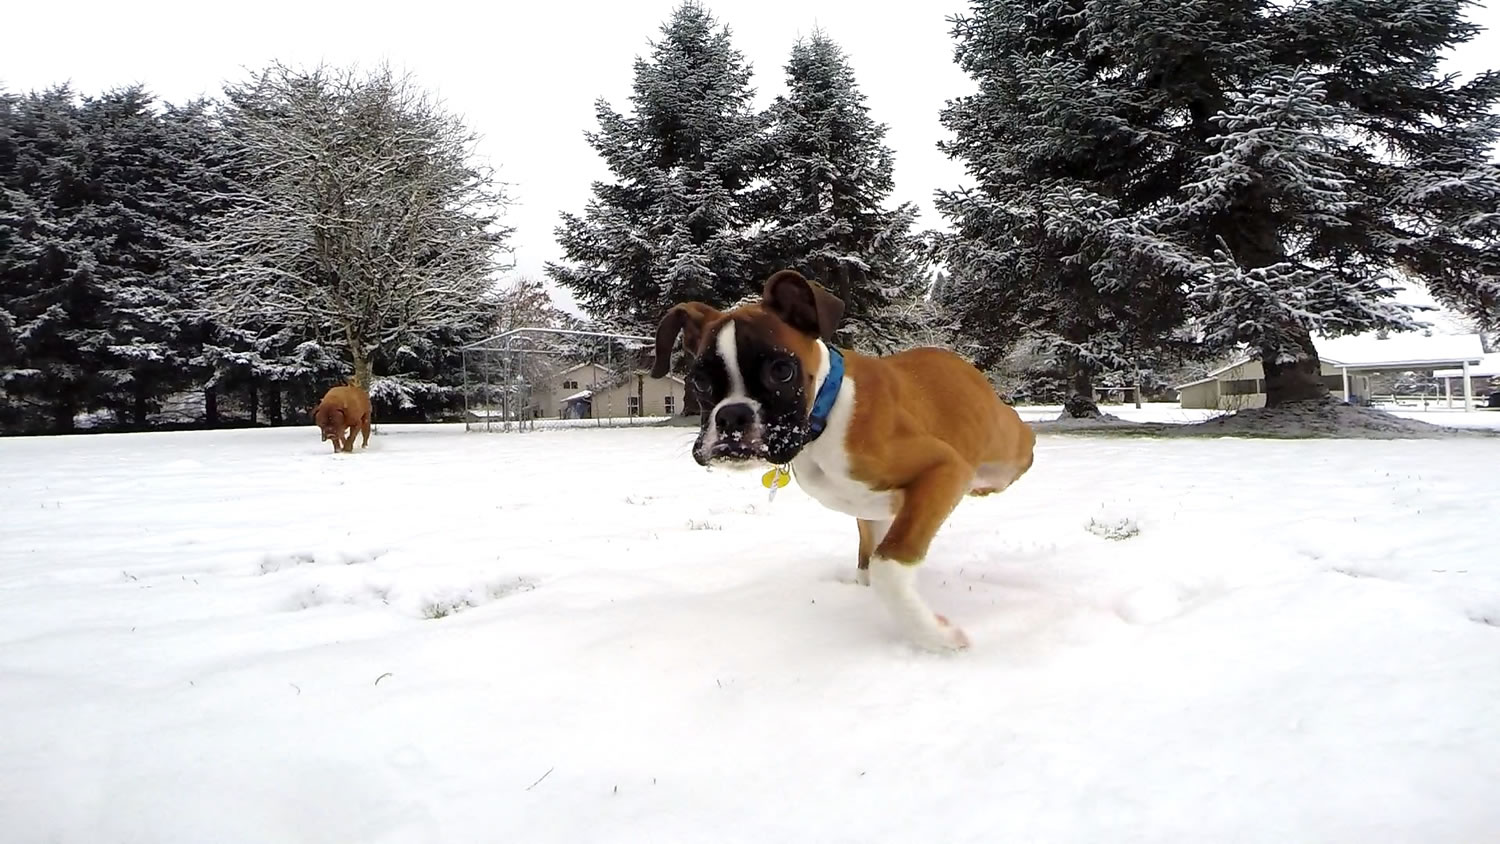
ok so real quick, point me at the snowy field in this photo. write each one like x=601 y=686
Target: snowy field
x=1174 y=414
x=580 y=636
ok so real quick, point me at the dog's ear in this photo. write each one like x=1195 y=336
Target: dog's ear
x=686 y=319
x=804 y=305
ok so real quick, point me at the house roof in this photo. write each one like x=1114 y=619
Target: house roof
x=628 y=382
x=581 y=394
x=561 y=372
x=1488 y=367
x=1370 y=351
x=1199 y=381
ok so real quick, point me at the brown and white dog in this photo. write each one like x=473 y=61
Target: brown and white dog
x=344 y=407
x=896 y=441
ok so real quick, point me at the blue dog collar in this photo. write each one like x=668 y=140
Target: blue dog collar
x=828 y=393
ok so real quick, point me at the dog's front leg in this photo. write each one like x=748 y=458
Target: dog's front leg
x=871 y=534
x=925 y=505
x=349 y=443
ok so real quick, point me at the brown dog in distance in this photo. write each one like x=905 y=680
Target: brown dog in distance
x=344 y=407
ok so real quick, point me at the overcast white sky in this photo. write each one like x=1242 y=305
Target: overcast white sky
x=524 y=74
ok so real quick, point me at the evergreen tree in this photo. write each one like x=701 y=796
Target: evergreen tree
x=97 y=197
x=1259 y=171
x=674 y=223
x=1049 y=142
x=142 y=176
x=49 y=272
x=824 y=206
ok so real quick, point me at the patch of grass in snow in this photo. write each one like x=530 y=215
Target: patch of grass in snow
x=443 y=607
x=1115 y=529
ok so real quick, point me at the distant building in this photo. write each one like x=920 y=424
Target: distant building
x=1347 y=364
x=590 y=390
x=1481 y=380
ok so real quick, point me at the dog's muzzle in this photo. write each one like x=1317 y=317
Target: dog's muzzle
x=733 y=436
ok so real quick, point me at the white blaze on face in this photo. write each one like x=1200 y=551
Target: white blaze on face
x=725 y=344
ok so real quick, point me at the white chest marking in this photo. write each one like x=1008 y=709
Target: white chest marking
x=822 y=468
x=729 y=354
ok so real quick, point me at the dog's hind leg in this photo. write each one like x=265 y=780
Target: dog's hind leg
x=365 y=430
x=995 y=476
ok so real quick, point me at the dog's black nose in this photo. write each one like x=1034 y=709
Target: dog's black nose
x=734 y=418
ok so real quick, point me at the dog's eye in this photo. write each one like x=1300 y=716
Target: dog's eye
x=701 y=383
x=781 y=371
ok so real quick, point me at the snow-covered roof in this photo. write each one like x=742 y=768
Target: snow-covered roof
x=1406 y=349
x=1204 y=380
x=1488 y=367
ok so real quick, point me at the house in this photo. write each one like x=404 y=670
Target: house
x=555 y=394
x=639 y=394
x=589 y=390
x=1346 y=364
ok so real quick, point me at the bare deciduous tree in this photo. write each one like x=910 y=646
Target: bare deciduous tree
x=359 y=210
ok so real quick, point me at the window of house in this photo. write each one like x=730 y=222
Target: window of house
x=1241 y=387
x=669 y=403
x=570 y=385
x=634 y=405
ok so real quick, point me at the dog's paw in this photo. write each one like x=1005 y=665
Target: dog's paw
x=942 y=636
x=852 y=577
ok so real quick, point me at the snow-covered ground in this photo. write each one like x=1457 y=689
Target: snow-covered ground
x=579 y=636
x=1175 y=414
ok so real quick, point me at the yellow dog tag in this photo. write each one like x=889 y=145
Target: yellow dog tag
x=778 y=476
x=775 y=479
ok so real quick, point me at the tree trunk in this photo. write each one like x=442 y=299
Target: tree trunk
x=846 y=292
x=254 y=402
x=640 y=395
x=273 y=405
x=1080 y=402
x=62 y=416
x=1299 y=380
x=138 y=408
x=362 y=374
x=211 y=407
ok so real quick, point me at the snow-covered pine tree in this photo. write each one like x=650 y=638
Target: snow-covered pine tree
x=825 y=200
x=1339 y=167
x=50 y=282
x=674 y=222
x=97 y=195
x=1051 y=142
x=1280 y=196
x=362 y=219
x=1376 y=170
x=142 y=177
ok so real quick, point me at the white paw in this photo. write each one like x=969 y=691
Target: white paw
x=862 y=577
x=943 y=635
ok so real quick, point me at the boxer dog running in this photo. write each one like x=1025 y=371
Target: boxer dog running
x=895 y=441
